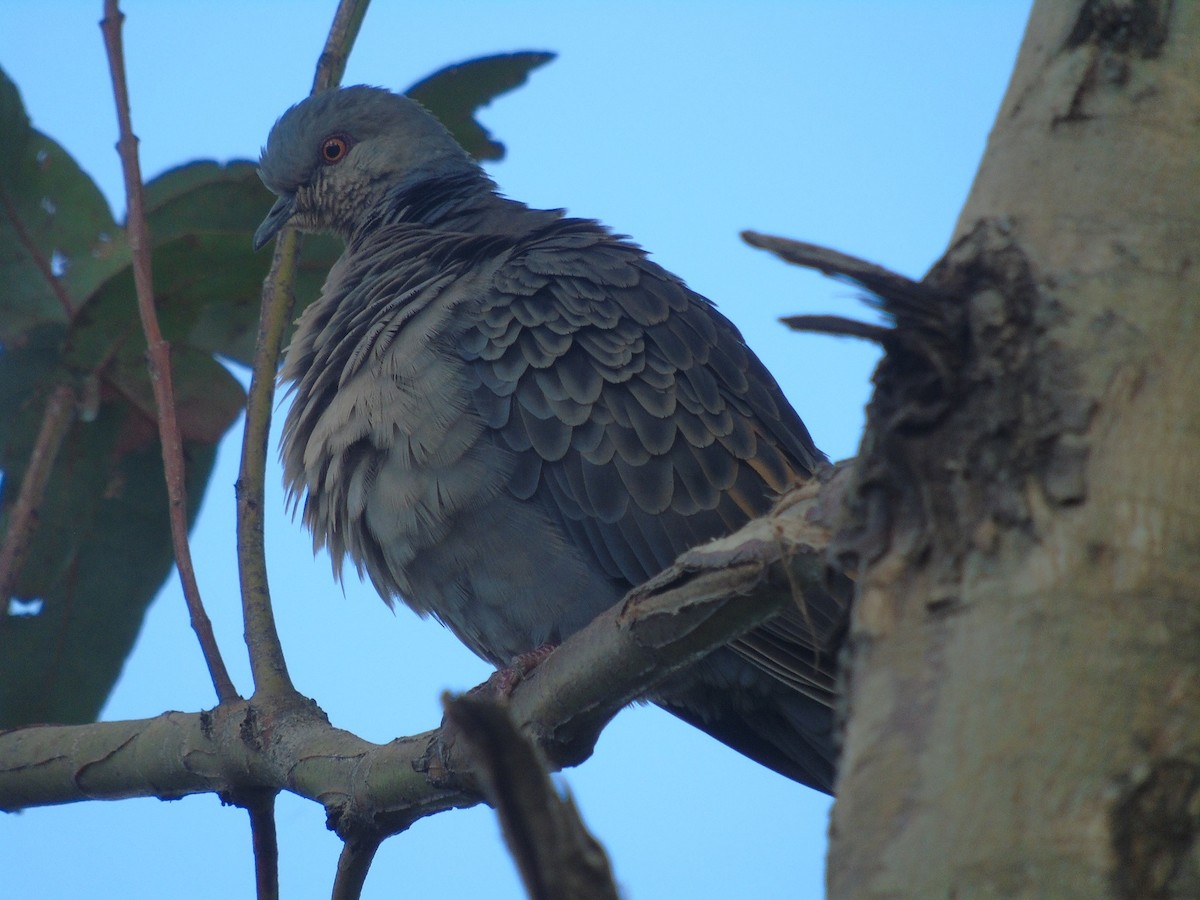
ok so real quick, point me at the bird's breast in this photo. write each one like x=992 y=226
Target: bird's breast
x=400 y=474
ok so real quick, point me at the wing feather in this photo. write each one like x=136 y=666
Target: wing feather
x=640 y=420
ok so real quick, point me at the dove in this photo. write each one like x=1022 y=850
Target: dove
x=507 y=417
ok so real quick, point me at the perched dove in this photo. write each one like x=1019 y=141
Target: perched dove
x=508 y=417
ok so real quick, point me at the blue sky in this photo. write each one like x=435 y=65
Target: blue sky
x=857 y=125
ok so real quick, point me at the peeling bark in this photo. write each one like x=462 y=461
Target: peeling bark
x=1023 y=692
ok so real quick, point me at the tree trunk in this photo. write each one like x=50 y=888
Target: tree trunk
x=1023 y=685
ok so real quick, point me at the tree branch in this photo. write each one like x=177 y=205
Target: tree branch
x=557 y=856
x=261 y=808
x=342 y=33
x=712 y=594
x=56 y=422
x=1024 y=637
x=159 y=357
x=267 y=661
x=354 y=863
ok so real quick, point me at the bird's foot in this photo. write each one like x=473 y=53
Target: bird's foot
x=504 y=680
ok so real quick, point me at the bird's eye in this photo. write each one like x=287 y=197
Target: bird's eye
x=334 y=149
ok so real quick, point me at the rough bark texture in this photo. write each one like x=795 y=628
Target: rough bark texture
x=1024 y=666
x=713 y=593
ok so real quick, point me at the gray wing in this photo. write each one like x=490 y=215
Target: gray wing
x=640 y=420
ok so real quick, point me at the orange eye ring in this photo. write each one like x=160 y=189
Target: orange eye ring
x=334 y=149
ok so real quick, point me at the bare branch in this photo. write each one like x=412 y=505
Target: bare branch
x=555 y=853
x=710 y=596
x=353 y=865
x=828 y=262
x=261 y=807
x=267 y=661
x=56 y=422
x=838 y=325
x=342 y=33
x=262 y=638
x=159 y=356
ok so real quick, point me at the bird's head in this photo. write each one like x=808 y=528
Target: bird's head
x=332 y=157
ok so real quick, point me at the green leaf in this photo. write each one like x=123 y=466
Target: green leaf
x=205 y=197
x=25 y=370
x=28 y=374
x=207 y=398
x=14 y=121
x=104 y=526
x=102 y=547
x=455 y=93
x=226 y=303
x=68 y=315
x=207 y=277
x=58 y=239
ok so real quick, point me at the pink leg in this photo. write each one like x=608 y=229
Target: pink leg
x=505 y=680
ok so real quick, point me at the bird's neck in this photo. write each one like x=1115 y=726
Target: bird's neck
x=465 y=201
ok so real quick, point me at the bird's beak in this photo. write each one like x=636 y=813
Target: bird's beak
x=275 y=220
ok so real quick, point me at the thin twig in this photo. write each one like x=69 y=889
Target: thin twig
x=840 y=326
x=888 y=290
x=332 y=64
x=159 y=356
x=556 y=855
x=266 y=845
x=353 y=865
x=56 y=421
x=824 y=259
x=267 y=662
